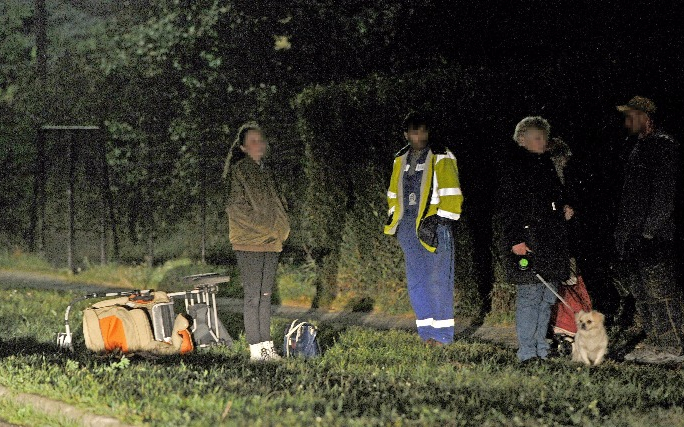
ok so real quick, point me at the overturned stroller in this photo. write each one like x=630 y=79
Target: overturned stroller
x=145 y=320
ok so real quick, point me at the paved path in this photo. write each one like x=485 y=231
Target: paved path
x=464 y=326
x=60 y=410
x=16 y=279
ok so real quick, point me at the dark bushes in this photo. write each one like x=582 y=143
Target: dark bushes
x=351 y=131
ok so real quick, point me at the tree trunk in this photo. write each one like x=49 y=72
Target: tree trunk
x=326 y=281
x=150 y=248
x=108 y=198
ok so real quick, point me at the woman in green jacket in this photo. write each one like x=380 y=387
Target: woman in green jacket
x=258 y=226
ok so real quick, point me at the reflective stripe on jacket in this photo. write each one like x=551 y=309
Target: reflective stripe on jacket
x=440 y=187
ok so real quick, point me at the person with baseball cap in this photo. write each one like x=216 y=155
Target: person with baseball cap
x=645 y=230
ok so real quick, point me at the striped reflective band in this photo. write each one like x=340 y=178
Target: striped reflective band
x=419 y=167
x=424 y=322
x=448 y=155
x=447 y=214
x=446 y=323
x=455 y=191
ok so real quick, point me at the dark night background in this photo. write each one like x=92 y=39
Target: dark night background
x=570 y=62
x=604 y=53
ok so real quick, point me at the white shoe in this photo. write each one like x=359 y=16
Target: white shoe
x=270 y=351
x=256 y=351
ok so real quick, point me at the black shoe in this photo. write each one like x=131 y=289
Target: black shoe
x=561 y=346
x=532 y=361
x=431 y=342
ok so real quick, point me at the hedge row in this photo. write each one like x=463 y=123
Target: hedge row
x=351 y=131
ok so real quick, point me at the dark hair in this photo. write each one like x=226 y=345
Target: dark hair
x=414 y=120
x=234 y=151
x=242 y=132
x=559 y=148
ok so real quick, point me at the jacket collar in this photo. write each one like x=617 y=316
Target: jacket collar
x=434 y=148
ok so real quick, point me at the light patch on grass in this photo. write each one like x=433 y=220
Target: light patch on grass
x=27 y=415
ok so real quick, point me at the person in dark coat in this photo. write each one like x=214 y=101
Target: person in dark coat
x=532 y=218
x=645 y=230
x=258 y=226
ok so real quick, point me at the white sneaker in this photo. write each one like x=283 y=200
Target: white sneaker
x=256 y=351
x=270 y=351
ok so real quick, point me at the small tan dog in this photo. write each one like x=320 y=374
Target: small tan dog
x=591 y=340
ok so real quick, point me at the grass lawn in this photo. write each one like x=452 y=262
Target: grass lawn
x=365 y=377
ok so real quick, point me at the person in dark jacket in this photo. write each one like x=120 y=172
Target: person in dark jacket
x=532 y=218
x=258 y=226
x=645 y=230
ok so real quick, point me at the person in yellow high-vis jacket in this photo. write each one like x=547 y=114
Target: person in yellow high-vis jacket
x=425 y=198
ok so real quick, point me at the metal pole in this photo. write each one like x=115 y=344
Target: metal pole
x=40 y=22
x=101 y=150
x=71 y=208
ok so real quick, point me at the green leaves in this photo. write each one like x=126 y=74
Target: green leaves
x=116 y=366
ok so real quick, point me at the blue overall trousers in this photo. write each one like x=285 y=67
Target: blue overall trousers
x=430 y=276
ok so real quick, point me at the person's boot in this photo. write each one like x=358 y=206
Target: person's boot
x=256 y=351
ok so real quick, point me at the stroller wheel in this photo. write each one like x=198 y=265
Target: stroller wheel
x=64 y=341
x=562 y=344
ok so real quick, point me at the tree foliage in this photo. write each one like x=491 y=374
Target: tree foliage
x=171 y=80
x=352 y=131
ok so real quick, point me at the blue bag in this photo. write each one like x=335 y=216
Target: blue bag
x=300 y=340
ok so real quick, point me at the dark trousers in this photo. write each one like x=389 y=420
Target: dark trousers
x=257 y=274
x=652 y=280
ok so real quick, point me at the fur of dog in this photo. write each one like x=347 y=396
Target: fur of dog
x=591 y=341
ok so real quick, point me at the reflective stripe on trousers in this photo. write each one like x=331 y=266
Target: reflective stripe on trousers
x=430 y=279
